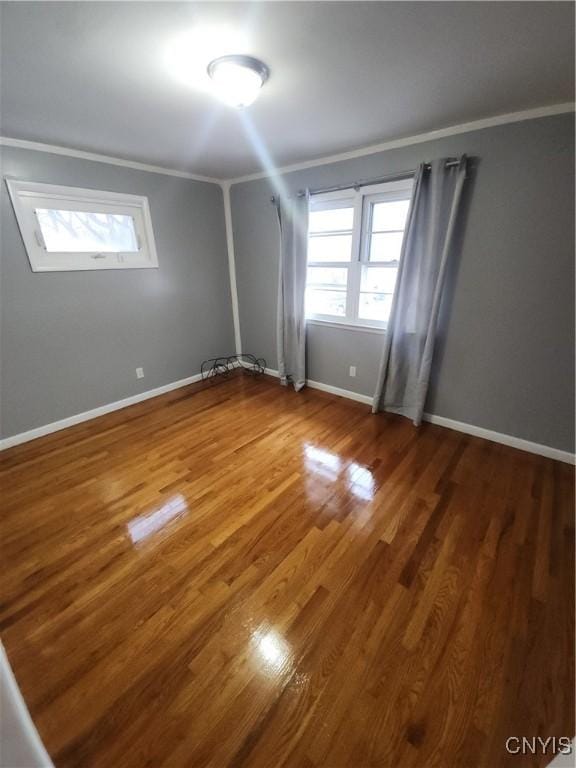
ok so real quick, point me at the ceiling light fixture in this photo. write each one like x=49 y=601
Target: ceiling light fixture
x=237 y=79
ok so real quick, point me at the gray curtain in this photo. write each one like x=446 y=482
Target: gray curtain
x=291 y=323
x=428 y=239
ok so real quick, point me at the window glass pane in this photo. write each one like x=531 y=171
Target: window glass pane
x=330 y=248
x=389 y=216
x=375 y=306
x=386 y=246
x=379 y=279
x=333 y=220
x=85 y=232
x=327 y=276
x=321 y=302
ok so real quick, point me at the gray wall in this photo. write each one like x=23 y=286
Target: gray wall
x=71 y=340
x=505 y=360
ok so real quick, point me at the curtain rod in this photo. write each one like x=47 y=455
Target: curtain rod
x=450 y=163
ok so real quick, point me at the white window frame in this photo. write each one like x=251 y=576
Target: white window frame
x=27 y=196
x=361 y=199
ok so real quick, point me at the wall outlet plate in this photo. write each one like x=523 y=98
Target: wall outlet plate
x=352 y=371
x=139 y=373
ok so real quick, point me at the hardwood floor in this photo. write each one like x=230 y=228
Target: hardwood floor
x=236 y=575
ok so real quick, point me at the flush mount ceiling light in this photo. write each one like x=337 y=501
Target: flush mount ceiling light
x=237 y=79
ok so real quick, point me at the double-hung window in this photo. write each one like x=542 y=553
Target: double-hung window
x=354 y=243
x=66 y=228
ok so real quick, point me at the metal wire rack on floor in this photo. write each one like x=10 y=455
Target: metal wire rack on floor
x=225 y=365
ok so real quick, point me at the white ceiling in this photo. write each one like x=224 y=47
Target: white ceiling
x=100 y=76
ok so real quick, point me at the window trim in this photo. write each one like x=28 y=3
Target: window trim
x=24 y=195
x=347 y=326
x=361 y=199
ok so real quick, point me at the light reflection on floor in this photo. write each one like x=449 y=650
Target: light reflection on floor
x=144 y=526
x=356 y=478
x=361 y=481
x=273 y=654
x=321 y=462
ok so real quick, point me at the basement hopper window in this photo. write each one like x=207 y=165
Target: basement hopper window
x=68 y=229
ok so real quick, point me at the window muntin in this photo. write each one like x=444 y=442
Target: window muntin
x=384 y=220
x=68 y=229
x=327 y=277
x=385 y=246
x=351 y=280
x=323 y=302
x=330 y=248
x=377 y=279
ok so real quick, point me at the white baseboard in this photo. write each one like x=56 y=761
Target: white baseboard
x=340 y=392
x=78 y=418
x=499 y=437
x=458 y=426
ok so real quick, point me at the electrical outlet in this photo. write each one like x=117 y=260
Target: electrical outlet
x=352 y=371
x=139 y=373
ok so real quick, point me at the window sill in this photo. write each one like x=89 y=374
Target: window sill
x=347 y=326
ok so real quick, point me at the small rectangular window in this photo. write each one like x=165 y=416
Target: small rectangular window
x=354 y=245
x=66 y=228
x=84 y=232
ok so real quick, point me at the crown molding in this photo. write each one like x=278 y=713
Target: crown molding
x=53 y=149
x=453 y=130
x=406 y=141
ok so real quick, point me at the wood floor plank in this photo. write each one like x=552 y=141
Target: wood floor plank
x=233 y=574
